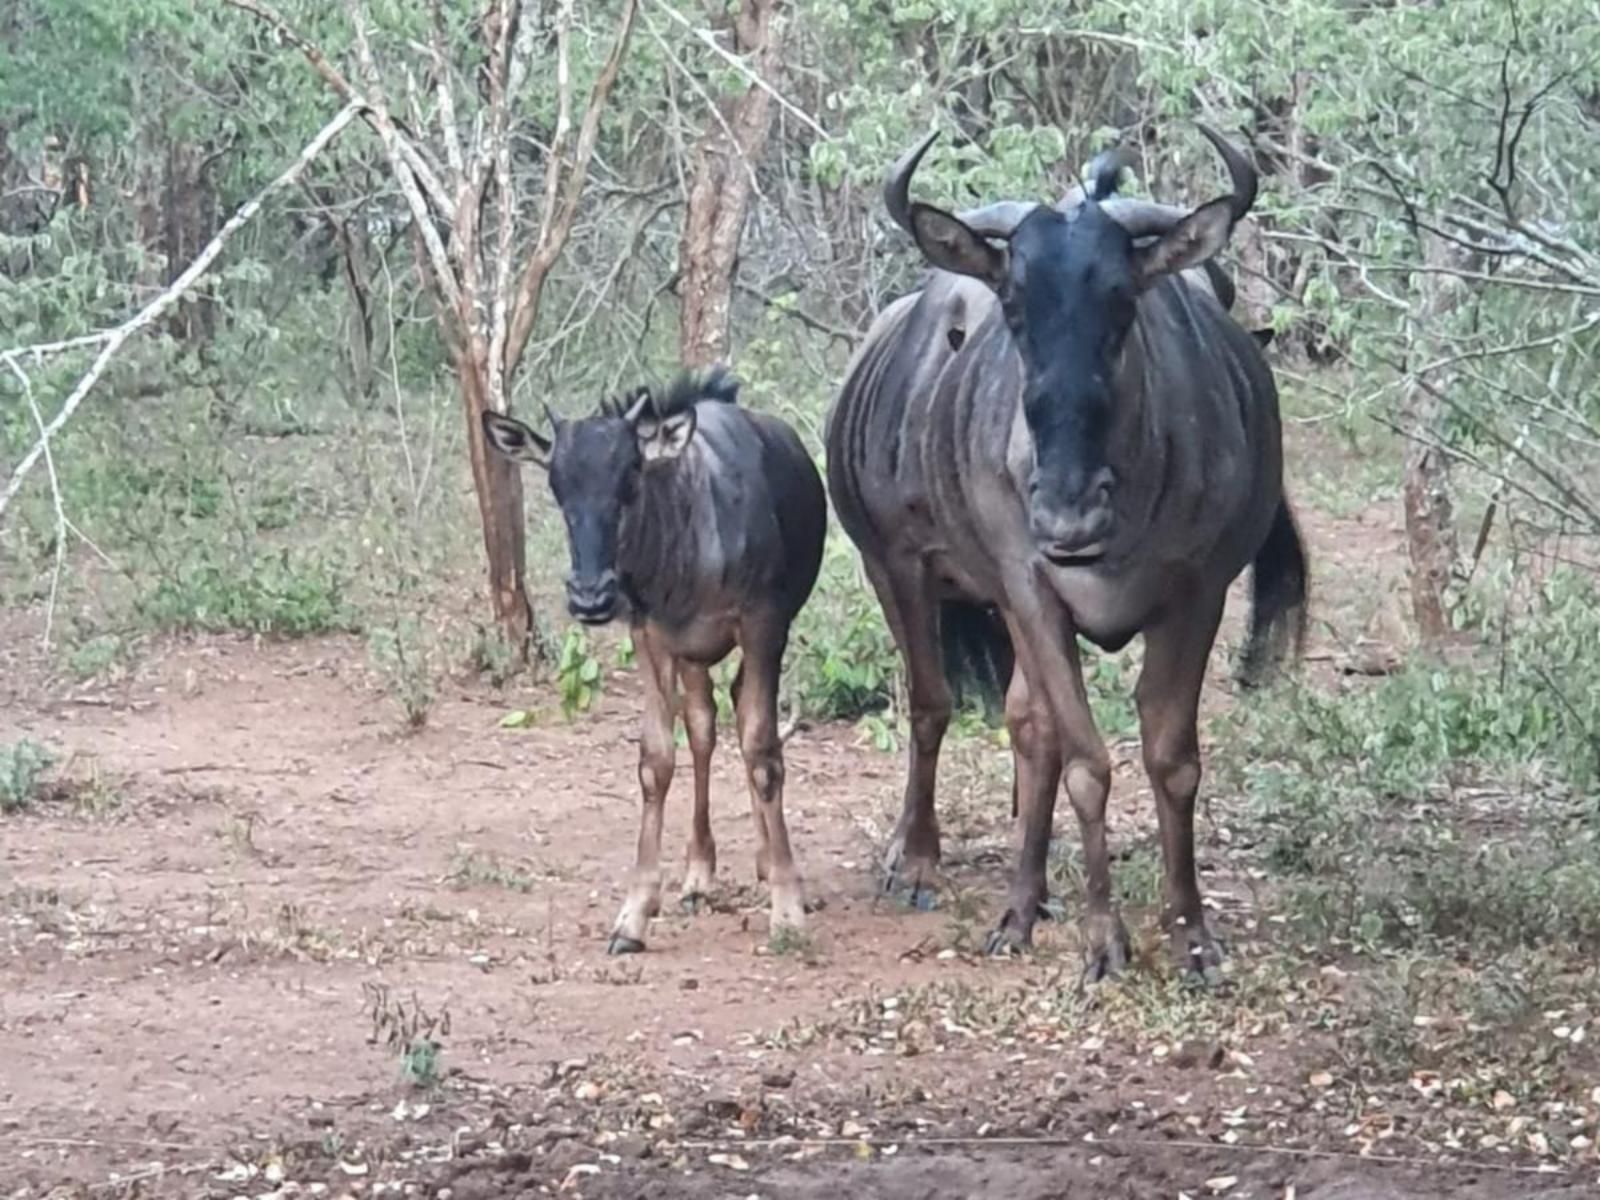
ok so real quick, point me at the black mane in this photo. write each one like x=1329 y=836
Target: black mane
x=689 y=388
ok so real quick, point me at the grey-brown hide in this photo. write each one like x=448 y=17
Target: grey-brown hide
x=933 y=466
x=703 y=522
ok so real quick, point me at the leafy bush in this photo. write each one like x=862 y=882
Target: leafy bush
x=291 y=592
x=22 y=766
x=1373 y=800
x=842 y=657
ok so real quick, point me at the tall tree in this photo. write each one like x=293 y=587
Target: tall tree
x=724 y=176
x=470 y=221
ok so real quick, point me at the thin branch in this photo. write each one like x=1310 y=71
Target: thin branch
x=405 y=174
x=396 y=140
x=447 y=101
x=557 y=225
x=1511 y=348
x=55 y=496
x=37 y=352
x=175 y=291
x=739 y=65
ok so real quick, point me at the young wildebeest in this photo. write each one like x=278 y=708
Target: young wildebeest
x=1064 y=433
x=705 y=522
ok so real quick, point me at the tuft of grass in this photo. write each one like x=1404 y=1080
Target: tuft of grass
x=471 y=868
x=411 y=1032
x=400 y=655
x=787 y=942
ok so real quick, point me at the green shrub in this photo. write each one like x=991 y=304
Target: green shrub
x=22 y=766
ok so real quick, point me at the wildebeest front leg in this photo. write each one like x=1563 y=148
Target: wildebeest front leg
x=1168 y=695
x=1036 y=774
x=1047 y=654
x=756 y=706
x=700 y=718
x=656 y=754
x=913 y=855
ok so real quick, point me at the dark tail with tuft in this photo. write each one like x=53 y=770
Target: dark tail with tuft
x=1279 y=586
x=977 y=654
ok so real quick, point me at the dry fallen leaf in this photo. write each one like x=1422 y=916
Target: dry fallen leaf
x=1221 y=1183
x=1322 y=1079
x=732 y=1161
x=1504 y=1100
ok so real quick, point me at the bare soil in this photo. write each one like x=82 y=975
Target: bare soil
x=247 y=857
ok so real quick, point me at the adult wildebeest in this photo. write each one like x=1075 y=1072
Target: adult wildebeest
x=706 y=522
x=1065 y=433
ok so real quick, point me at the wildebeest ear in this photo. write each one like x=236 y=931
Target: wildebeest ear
x=668 y=438
x=951 y=245
x=1187 y=244
x=515 y=440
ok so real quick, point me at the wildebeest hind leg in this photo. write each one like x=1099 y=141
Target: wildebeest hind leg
x=758 y=821
x=1168 y=694
x=700 y=720
x=912 y=859
x=655 y=776
x=763 y=640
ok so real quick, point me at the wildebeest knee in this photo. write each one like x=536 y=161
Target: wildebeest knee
x=766 y=769
x=1089 y=783
x=1032 y=733
x=1177 y=773
x=702 y=730
x=655 y=774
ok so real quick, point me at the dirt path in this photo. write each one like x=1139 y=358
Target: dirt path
x=251 y=861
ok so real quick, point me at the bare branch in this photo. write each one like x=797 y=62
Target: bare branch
x=39 y=351
x=175 y=291
x=397 y=141
x=446 y=94
x=1553 y=339
x=557 y=225
x=55 y=496
x=755 y=79
x=405 y=175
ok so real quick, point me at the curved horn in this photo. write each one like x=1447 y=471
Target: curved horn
x=897 y=182
x=1240 y=171
x=637 y=411
x=549 y=415
x=997 y=220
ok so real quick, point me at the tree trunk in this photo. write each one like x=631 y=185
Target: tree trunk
x=1429 y=514
x=189 y=212
x=720 y=194
x=497 y=481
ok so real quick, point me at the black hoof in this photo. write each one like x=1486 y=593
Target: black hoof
x=814 y=904
x=1006 y=940
x=1105 y=963
x=1203 y=979
x=624 y=945
x=694 y=903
